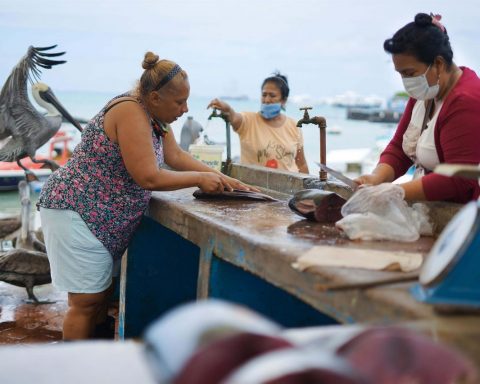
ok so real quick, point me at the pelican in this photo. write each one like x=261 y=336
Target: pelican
x=27 y=238
x=190 y=133
x=25 y=128
x=25 y=268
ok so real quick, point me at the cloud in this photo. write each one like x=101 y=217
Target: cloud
x=323 y=46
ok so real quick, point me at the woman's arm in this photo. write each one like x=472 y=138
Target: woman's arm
x=414 y=190
x=383 y=173
x=133 y=134
x=393 y=161
x=233 y=117
x=457 y=137
x=301 y=161
x=180 y=160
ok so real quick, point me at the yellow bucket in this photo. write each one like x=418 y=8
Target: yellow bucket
x=210 y=155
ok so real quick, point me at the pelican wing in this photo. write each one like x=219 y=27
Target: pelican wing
x=24 y=262
x=13 y=149
x=14 y=92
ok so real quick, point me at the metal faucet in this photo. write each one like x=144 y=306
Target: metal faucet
x=322 y=124
x=228 y=162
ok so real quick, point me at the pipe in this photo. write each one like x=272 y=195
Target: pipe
x=228 y=162
x=322 y=125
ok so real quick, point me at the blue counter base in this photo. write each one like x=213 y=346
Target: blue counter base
x=231 y=283
x=162 y=272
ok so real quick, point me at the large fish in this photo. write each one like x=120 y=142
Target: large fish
x=317 y=205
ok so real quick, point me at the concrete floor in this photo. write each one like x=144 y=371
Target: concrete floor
x=22 y=322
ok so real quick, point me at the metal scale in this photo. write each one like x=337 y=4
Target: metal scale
x=451 y=273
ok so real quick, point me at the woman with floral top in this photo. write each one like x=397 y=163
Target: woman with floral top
x=91 y=207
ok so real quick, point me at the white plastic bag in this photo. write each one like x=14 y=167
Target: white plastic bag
x=380 y=213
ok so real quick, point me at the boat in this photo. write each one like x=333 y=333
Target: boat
x=58 y=150
x=334 y=130
x=392 y=113
x=385 y=116
x=234 y=97
x=359 y=113
x=354 y=162
x=352 y=100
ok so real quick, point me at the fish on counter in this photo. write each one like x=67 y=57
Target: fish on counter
x=236 y=194
x=317 y=205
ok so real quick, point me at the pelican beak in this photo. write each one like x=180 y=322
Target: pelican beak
x=50 y=97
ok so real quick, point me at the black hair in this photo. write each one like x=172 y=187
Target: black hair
x=421 y=39
x=280 y=81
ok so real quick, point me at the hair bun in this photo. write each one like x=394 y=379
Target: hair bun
x=150 y=60
x=422 y=19
x=279 y=75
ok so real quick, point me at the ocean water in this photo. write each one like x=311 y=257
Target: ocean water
x=353 y=133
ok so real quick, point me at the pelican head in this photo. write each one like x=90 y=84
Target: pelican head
x=45 y=97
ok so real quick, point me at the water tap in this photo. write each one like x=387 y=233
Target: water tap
x=215 y=113
x=228 y=162
x=322 y=124
x=306 y=119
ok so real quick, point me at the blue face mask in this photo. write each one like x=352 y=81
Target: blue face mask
x=269 y=111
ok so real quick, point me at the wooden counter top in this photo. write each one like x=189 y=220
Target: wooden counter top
x=265 y=238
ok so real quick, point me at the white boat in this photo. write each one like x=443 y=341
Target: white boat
x=354 y=162
x=58 y=150
x=351 y=99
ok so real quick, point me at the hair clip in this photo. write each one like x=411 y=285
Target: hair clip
x=436 y=21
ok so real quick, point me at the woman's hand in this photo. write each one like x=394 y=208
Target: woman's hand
x=383 y=173
x=368 y=180
x=233 y=117
x=221 y=106
x=211 y=182
x=237 y=184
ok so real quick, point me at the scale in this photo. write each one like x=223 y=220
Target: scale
x=451 y=273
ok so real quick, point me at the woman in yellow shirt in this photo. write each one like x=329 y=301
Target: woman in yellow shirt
x=268 y=138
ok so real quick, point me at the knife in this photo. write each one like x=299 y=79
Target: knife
x=340 y=176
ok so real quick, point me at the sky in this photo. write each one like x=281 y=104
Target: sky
x=325 y=47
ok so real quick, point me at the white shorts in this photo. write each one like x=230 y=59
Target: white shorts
x=79 y=262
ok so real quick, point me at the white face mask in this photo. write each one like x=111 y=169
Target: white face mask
x=418 y=88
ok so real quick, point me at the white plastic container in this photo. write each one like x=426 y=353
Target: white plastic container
x=210 y=155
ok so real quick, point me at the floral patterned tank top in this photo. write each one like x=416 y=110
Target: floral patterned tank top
x=95 y=184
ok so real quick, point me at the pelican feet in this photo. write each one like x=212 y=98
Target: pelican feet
x=50 y=164
x=30 y=176
x=32 y=299
x=39 y=302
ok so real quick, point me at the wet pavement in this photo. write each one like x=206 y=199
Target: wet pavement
x=23 y=322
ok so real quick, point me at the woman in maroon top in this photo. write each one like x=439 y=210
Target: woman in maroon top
x=441 y=123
